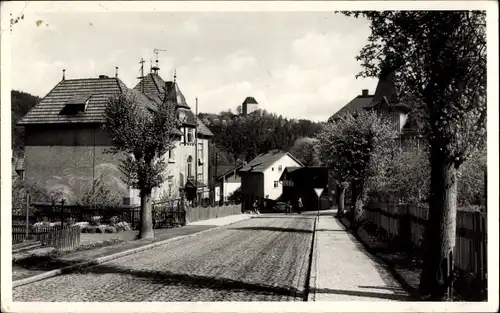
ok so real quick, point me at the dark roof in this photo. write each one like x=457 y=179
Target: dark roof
x=224 y=170
x=355 y=105
x=48 y=109
x=195 y=183
x=265 y=160
x=386 y=95
x=313 y=176
x=175 y=95
x=250 y=100
x=156 y=88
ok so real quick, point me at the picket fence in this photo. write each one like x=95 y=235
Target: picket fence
x=471 y=240
x=65 y=238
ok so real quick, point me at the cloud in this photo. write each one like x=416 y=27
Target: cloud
x=240 y=60
x=190 y=27
x=299 y=65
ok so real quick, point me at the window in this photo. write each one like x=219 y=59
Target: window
x=190 y=166
x=272 y=168
x=190 y=135
x=276 y=183
x=171 y=155
x=200 y=177
x=280 y=168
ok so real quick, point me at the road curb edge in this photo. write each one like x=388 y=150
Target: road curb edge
x=96 y=261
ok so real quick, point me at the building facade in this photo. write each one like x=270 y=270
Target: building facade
x=66 y=149
x=260 y=178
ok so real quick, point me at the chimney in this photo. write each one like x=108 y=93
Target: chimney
x=103 y=76
x=116 y=72
x=364 y=92
x=64 y=74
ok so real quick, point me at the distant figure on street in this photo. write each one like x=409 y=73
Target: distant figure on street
x=256 y=207
x=299 y=205
x=288 y=207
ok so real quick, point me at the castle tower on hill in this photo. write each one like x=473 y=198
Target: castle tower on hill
x=249 y=105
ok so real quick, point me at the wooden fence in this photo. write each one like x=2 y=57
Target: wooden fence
x=161 y=210
x=470 y=247
x=204 y=213
x=65 y=238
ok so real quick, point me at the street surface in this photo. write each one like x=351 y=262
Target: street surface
x=261 y=259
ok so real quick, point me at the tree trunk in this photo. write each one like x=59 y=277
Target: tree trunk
x=356 y=203
x=440 y=230
x=340 y=200
x=146 y=229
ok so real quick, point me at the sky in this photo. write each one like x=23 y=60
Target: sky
x=295 y=64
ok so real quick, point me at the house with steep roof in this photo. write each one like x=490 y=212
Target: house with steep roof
x=66 y=148
x=385 y=101
x=260 y=178
x=188 y=161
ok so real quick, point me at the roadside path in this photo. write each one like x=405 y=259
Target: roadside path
x=344 y=271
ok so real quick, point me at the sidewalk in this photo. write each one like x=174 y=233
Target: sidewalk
x=342 y=270
x=45 y=264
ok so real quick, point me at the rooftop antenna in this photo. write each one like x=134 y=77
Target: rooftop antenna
x=142 y=74
x=64 y=74
x=156 y=68
x=116 y=71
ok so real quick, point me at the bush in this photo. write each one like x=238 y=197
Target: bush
x=90 y=229
x=122 y=226
x=95 y=220
x=71 y=221
x=110 y=229
x=100 y=229
x=114 y=220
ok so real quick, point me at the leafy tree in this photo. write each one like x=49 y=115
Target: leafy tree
x=21 y=103
x=143 y=136
x=305 y=150
x=350 y=147
x=438 y=61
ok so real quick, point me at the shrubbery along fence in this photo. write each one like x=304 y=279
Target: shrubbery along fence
x=181 y=212
x=408 y=221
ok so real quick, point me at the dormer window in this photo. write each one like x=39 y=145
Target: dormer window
x=76 y=105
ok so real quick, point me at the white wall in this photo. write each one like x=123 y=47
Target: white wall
x=176 y=166
x=229 y=188
x=270 y=176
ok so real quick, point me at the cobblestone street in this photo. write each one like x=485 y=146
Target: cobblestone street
x=262 y=259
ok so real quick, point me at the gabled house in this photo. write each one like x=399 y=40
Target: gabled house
x=229 y=179
x=385 y=101
x=65 y=146
x=260 y=177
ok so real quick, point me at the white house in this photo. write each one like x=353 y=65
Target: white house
x=228 y=177
x=260 y=178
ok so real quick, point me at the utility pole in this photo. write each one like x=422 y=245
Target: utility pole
x=196 y=150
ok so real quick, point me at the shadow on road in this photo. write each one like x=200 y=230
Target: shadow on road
x=190 y=281
x=366 y=294
x=265 y=228
x=285 y=216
